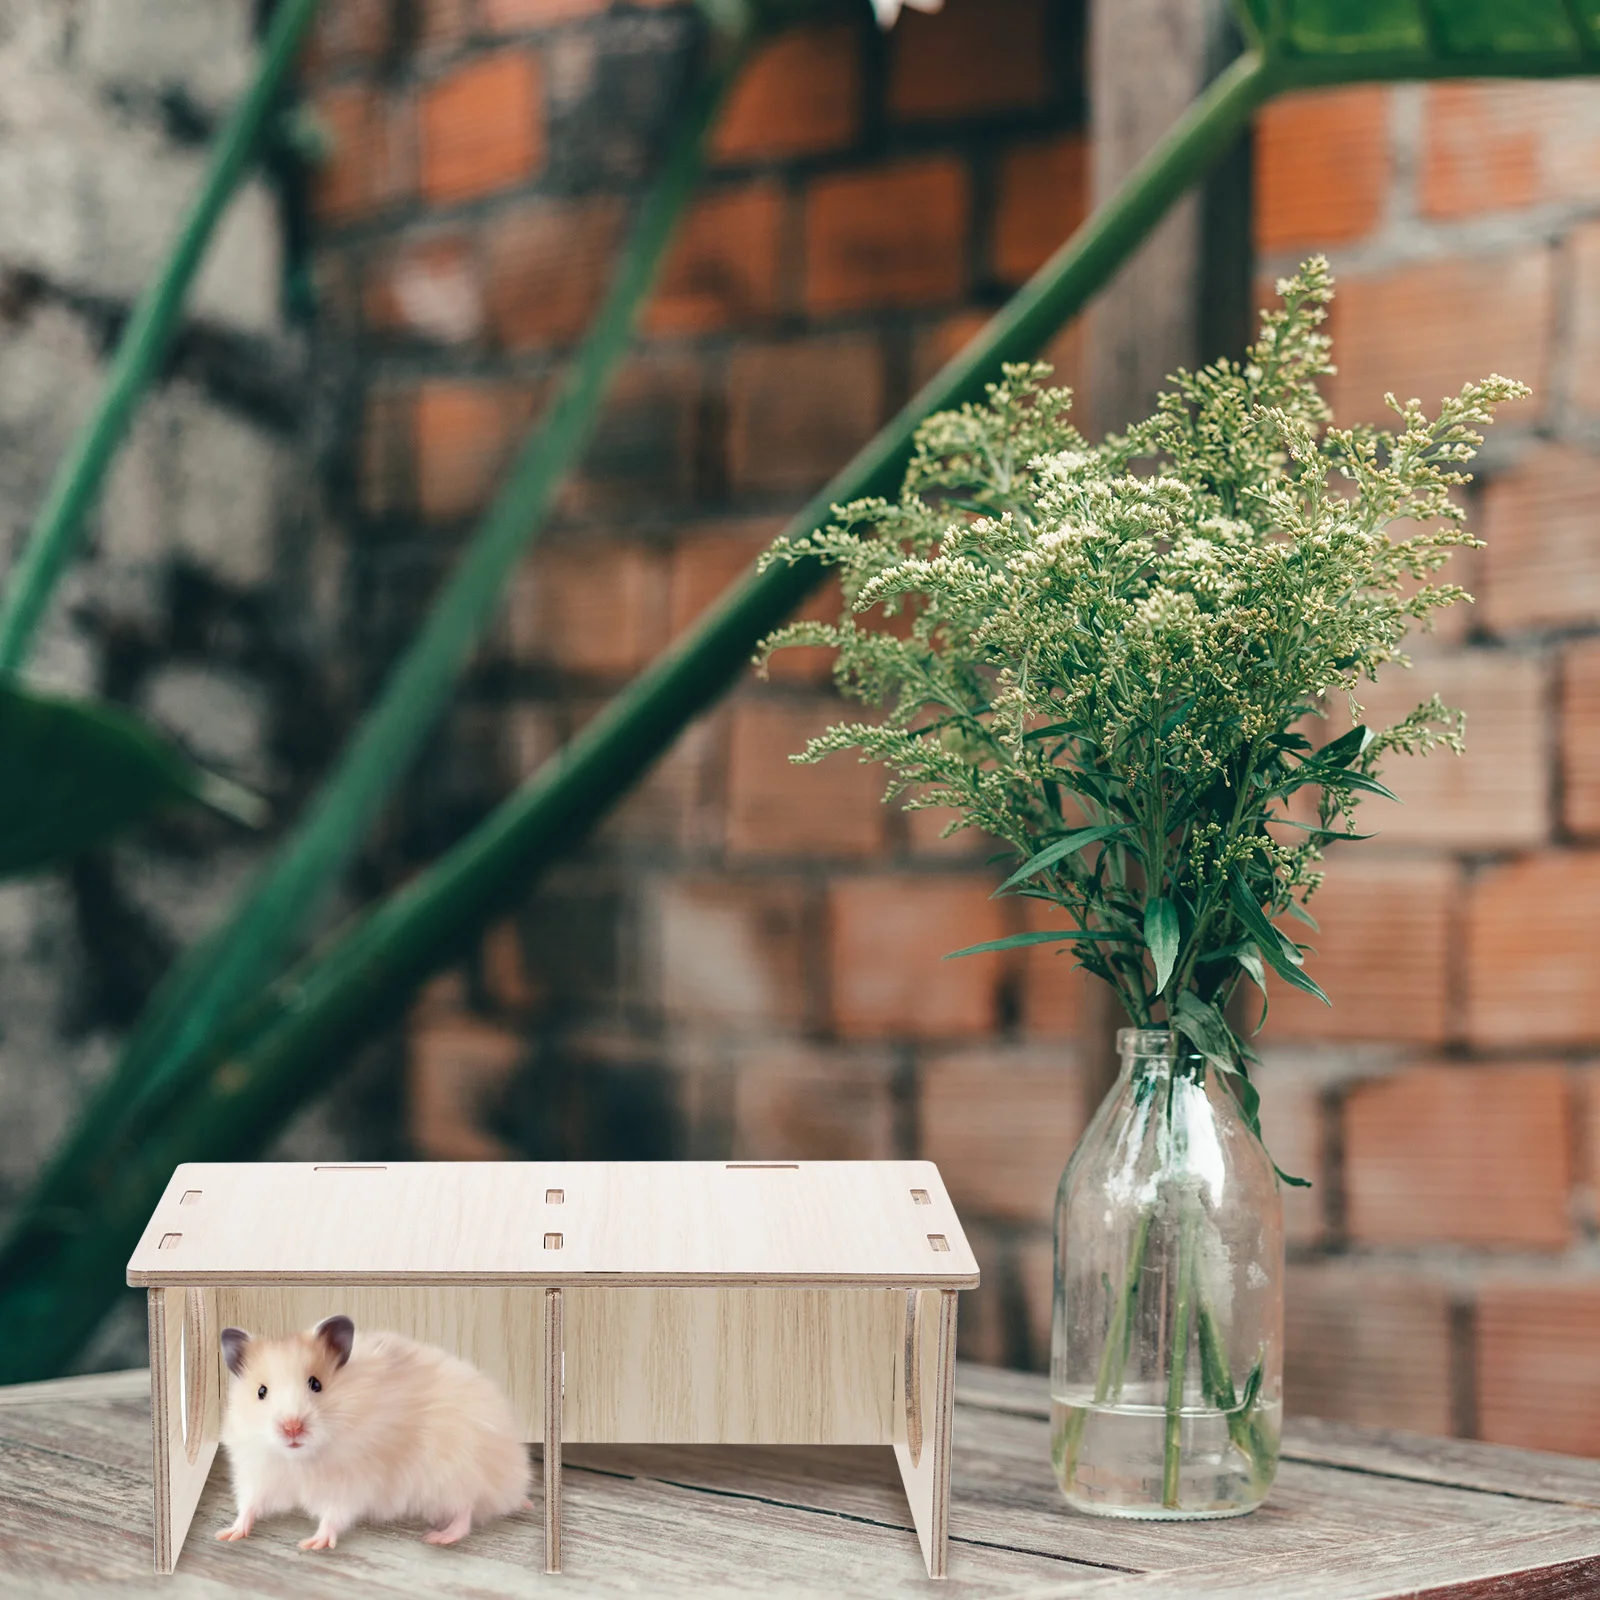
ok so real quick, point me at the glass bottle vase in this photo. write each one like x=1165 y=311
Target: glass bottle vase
x=1166 y=1353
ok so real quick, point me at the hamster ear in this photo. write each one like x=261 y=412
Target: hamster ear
x=235 y=1341
x=338 y=1334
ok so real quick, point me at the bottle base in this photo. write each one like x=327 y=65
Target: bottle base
x=1093 y=1508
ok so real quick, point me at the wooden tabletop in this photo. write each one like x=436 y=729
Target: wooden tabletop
x=859 y=1224
x=1356 y=1515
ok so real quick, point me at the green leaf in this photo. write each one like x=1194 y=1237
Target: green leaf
x=1359 y=780
x=1279 y=953
x=1342 y=751
x=1161 y=935
x=1203 y=1025
x=1052 y=853
x=80 y=772
x=1015 y=941
x=1290 y=1179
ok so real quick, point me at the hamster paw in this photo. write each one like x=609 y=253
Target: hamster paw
x=239 y=1528
x=458 y=1527
x=322 y=1539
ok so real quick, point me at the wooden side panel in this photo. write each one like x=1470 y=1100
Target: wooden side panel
x=555 y=1368
x=500 y=1331
x=731 y=1366
x=924 y=1414
x=185 y=1410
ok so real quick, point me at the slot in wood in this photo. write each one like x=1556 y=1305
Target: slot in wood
x=938 y=1241
x=552 y=1241
x=189 y=1197
x=555 y=1197
x=171 y=1241
x=920 y=1197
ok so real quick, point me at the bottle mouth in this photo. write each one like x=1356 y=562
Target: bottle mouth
x=1136 y=1042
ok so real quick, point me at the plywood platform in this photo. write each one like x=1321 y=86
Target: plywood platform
x=843 y=1224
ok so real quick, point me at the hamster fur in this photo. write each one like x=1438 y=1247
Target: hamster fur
x=366 y=1427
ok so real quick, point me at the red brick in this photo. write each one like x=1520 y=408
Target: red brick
x=347 y=32
x=482 y=127
x=548 y=264
x=370 y=163
x=973 y=57
x=1294 y=1130
x=708 y=562
x=504 y=967
x=795 y=1101
x=1322 y=167
x=887 y=936
x=1531 y=949
x=1583 y=316
x=776 y=808
x=797 y=412
x=595 y=608
x=1053 y=994
x=1043 y=196
x=465 y=432
x=1382 y=955
x=513 y=16
x=1538 y=1366
x=1000 y=1121
x=455 y=1067
x=892 y=236
x=1580 y=738
x=1542 y=561
x=799 y=96
x=1457 y=1154
x=1481 y=148
x=427 y=288
x=733 y=951
x=1368 y=1344
x=388 y=450
x=725 y=266
x=1427 y=329
x=1493 y=796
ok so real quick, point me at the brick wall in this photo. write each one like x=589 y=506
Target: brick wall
x=745 y=960
x=1444 y=1273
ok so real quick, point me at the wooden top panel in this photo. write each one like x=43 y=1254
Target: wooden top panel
x=876 y=1224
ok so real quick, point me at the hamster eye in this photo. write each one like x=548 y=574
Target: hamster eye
x=261 y=1393
x=316 y=1386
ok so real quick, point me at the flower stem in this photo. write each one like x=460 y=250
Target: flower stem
x=1119 y=1336
x=1178 y=1358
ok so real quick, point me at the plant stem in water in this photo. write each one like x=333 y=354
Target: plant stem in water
x=1119 y=1336
x=1178 y=1361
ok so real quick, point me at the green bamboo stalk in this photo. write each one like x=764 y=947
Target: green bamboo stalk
x=60 y=1266
x=58 y=528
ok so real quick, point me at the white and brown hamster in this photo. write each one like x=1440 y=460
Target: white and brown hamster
x=369 y=1427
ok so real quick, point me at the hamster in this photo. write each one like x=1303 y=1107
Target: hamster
x=369 y=1427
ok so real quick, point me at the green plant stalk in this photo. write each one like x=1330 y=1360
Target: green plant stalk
x=1216 y=1379
x=60 y=1266
x=1178 y=1361
x=1114 y=1352
x=58 y=528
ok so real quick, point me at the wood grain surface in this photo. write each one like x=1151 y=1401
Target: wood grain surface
x=1356 y=1515
x=865 y=1224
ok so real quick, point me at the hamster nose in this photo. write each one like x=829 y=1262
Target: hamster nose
x=292 y=1428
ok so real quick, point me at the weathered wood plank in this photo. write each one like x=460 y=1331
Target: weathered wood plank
x=1496 y=1469
x=1359 y=1522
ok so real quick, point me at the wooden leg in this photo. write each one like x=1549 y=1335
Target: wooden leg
x=185 y=1411
x=925 y=1406
x=554 y=1385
